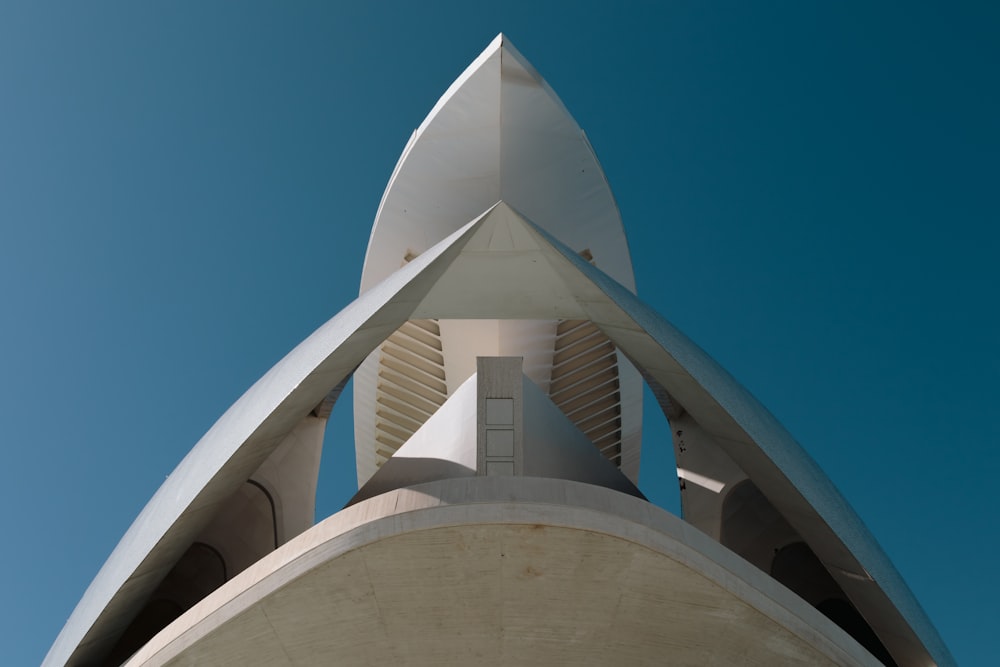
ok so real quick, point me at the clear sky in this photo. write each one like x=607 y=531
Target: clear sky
x=809 y=190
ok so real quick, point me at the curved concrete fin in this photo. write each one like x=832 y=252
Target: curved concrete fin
x=765 y=451
x=498 y=132
x=445 y=447
x=236 y=445
x=549 y=278
x=555 y=448
x=540 y=278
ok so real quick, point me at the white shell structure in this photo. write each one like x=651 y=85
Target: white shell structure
x=499 y=133
x=490 y=526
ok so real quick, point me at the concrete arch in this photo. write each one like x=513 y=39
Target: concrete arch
x=302 y=610
x=498 y=133
x=551 y=281
x=237 y=445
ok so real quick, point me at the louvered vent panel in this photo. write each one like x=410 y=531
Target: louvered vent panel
x=411 y=384
x=585 y=384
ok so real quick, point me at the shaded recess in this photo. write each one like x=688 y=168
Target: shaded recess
x=754 y=529
x=585 y=384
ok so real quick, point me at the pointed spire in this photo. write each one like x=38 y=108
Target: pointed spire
x=498 y=132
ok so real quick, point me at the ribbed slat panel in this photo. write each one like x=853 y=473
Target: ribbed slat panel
x=411 y=384
x=576 y=383
x=432 y=393
x=425 y=363
x=413 y=400
x=419 y=333
x=585 y=384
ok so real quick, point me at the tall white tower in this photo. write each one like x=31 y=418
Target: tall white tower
x=498 y=351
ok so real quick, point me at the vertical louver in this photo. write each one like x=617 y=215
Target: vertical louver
x=585 y=384
x=411 y=384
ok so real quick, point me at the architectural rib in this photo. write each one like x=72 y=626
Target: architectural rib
x=424 y=289
x=232 y=449
x=462 y=275
x=498 y=133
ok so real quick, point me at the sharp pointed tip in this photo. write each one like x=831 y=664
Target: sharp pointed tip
x=502 y=41
x=498 y=42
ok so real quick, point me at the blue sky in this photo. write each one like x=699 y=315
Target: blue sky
x=809 y=191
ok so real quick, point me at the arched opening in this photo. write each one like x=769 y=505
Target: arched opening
x=198 y=572
x=752 y=527
x=797 y=567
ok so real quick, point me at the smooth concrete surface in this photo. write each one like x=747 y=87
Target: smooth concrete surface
x=502 y=571
x=228 y=454
x=752 y=438
x=509 y=218
x=499 y=132
x=553 y=281
x=500 y=424
x=445 y=446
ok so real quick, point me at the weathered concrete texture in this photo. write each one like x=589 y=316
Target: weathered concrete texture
x=502 y=570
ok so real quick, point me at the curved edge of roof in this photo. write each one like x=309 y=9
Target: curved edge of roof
x=300 y=381
x=253 y=424
x=779 y=446
x=504 y=501
x=500 y=44
x=466 y=74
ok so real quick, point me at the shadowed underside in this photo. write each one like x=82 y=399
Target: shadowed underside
x=502 y=571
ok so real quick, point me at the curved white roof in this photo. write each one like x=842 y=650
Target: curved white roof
x=498 y=133
x=433 y=286
x=472 y=272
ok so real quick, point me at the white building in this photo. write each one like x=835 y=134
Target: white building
x=498 y=352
